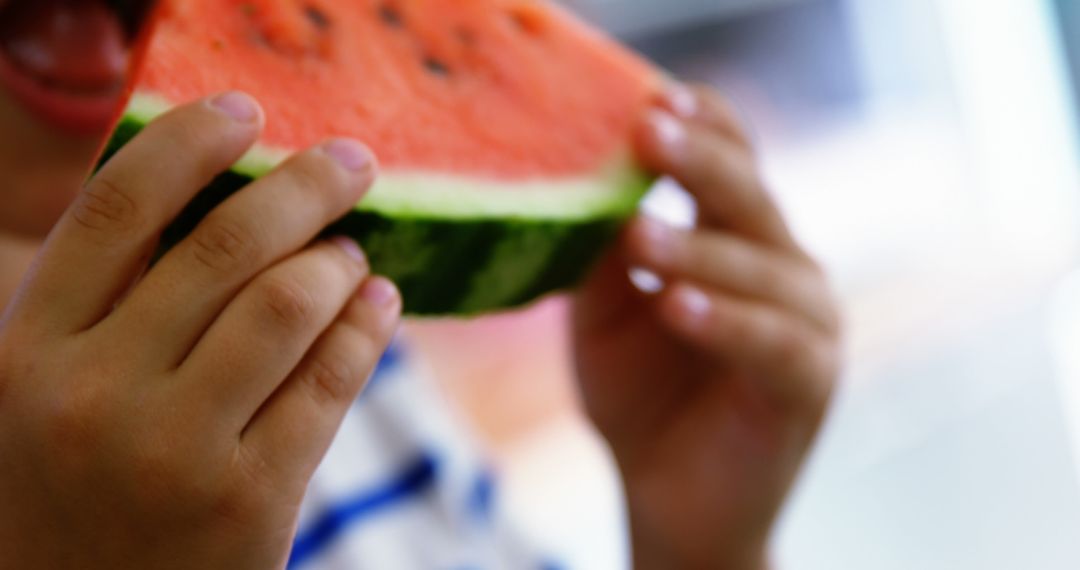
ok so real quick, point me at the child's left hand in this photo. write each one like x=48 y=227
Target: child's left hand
x=710 y=392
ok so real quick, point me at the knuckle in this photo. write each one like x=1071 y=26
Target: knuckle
x=287 y=304
x=225 y=245
x=332 y=378
x=105 y=208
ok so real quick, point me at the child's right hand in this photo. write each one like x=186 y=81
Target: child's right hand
x=174 y=419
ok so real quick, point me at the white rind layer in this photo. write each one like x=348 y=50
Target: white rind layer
x=612 y=191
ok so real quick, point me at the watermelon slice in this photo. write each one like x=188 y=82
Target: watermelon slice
x=502 y=127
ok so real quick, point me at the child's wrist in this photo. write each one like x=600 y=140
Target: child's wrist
x=655 y=550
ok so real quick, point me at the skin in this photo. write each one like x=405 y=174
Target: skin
x=43 y=171
x=711 y=391
x=173 y=417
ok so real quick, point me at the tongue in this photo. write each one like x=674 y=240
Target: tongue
x=78 y=45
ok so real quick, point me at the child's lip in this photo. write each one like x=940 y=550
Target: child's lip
x=64 y=60
x=80 y=114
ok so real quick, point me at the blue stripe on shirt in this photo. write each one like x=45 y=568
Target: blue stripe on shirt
x=388 y=364
x=482 y=497
x=339 y=517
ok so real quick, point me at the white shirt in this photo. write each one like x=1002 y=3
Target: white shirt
x=404 y=486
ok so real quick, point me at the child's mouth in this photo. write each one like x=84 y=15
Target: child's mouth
x=65 y=60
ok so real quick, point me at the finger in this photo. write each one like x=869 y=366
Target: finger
x=723 y=262
x=607 y=296
x=721 y=175
x=265 y=332
x=104 y=238
x=792 y=362
x=292 y=432
x=702 y=105
x=255 y=228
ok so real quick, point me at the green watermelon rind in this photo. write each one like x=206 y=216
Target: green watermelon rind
x=454 y=246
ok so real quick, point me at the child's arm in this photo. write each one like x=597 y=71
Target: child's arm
x=174 y=420
x=711 y=391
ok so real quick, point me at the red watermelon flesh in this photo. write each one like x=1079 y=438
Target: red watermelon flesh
x=502 y=126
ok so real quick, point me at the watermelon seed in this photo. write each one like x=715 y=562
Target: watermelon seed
x=390 y=16
x=317 y=17
x=466 y=37
x=527 y=21
x=436 y=67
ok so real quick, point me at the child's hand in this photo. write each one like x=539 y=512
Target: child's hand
x=174 y=420
x=711 y=391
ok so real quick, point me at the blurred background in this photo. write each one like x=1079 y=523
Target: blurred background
x=926 y=151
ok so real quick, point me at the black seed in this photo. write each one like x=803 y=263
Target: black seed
x=436 y=67
x=390 y=16
x=527 y=22
x=317 y=17
x=465 y=36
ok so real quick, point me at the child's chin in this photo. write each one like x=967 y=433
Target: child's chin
x=36 y=216
x=36 y=195
x=43 y=170
x=29 y=228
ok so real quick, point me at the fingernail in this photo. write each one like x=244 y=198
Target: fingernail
x=669 y=133
x=379 y=291
x=350 y=154
x=680 y=100
x=239 y=106
x=351 y=248
x=694 y=303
